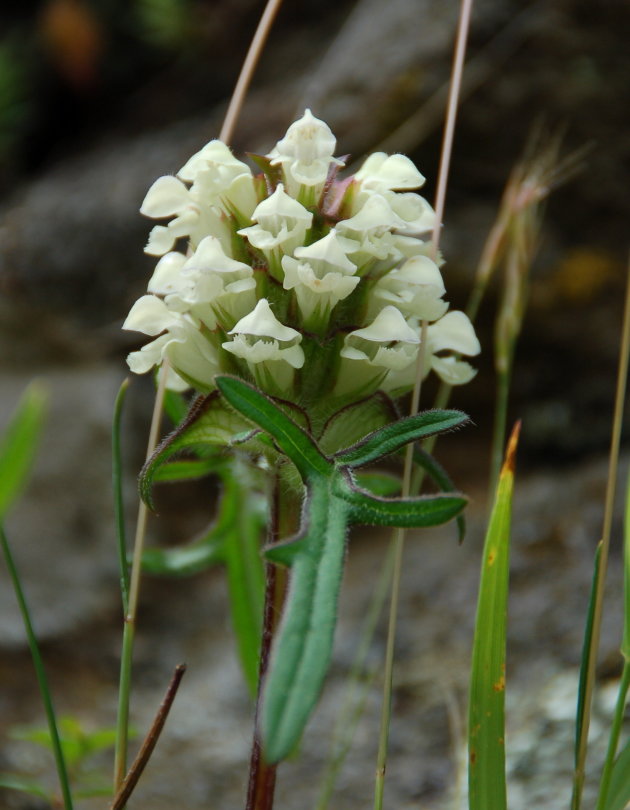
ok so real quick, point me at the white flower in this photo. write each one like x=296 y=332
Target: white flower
x=387 y=344
x=216 y=161
x=189 y=352
x=168 y=197
x=381 y=172
x=282 y=226
x=305 y=154
x=213 y=285
x=416 y=289
x=270 y=348
x=453 y=334
x=373 y=228
x=321 y=275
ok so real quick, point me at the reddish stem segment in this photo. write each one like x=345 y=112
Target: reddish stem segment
x=262 y=777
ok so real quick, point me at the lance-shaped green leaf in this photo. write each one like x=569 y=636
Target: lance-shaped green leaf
x=208 y=426
x=425 y=510
x=301 y=653
x=439 y=476
x=396 y=435
x=262 y=411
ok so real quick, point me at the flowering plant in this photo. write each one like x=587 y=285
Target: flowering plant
x=297 y=313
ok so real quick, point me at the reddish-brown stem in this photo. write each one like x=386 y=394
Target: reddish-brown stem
x=262 y=776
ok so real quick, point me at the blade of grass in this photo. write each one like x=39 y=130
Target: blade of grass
x=40 y=672
x=18 y=445
x=598 y=598
x=119 y=509
x=614 y=770
x=486 y=725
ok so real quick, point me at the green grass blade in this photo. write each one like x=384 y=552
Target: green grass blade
x=619 y=793
x=581 y=731
x=615 y=781
x=40 y=673
x=119 y=507
x=18 y=445
x=487 y=789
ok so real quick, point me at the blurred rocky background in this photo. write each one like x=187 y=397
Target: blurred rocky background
x=97 y=99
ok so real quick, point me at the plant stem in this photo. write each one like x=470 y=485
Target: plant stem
x=122 y=724
x=150 y=741
x=40 y=673
x=247 y=71
x=119 y=511
x=262 y=777
x=613 y=741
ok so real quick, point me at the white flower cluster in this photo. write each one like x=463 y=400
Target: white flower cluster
x=313 y=287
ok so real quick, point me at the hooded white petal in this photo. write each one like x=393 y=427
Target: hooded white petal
x=396 y=172
x=218 y=161
x=263 y=323
x=166 y=277
x=327 y=255
x=389 y=325
x=452 y=370
x=149 y=315
x=453 y=332
x=166 y=197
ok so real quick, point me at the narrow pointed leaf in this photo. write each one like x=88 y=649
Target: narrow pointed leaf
x=262 y=411
x=246 y=581
x=302 y=650
x=18 y=445
x=439 y=476
x=40 y=672
x=581 y=741
x=426 y=510
x=486 y=725
x=396 y=435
